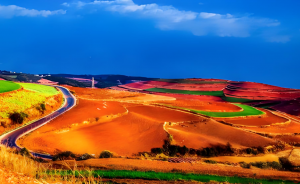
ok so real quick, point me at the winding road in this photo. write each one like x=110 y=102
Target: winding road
x=10 y=138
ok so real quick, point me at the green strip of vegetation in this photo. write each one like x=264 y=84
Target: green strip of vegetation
x=46 y=90
x=6 y=86
x=210 y=93
x=247 y=111
x=151 y=175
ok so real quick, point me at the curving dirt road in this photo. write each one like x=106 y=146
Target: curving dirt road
x=10 y=138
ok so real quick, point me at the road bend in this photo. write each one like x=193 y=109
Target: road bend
x=10 y=138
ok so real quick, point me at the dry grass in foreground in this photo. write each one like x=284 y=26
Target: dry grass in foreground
x=16 y=168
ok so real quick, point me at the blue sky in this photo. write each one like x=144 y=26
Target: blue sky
x=236 y=40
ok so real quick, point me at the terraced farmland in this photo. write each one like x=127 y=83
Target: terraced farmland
x=163 y=119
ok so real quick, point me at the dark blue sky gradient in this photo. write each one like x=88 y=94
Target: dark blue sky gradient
x=105 y=42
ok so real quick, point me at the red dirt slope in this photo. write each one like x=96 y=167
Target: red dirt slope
x=208 y=133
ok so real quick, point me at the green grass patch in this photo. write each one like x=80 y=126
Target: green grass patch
x=46 y=90
x=151 y=175
x=247 y=111
x=210 y=93
x=6 y=86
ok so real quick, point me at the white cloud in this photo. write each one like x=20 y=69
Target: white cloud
x=13 y=10
x=208 y=15
x=198 y=23
x=66 y=4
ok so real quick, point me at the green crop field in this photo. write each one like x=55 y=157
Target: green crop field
x=46 y=90
x=247 y=111
x=22 y=100
x=151 y=175
x=210 y=93
x=6 y=86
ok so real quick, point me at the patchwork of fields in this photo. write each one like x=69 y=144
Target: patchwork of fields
x=156 y=107
x=191 y=118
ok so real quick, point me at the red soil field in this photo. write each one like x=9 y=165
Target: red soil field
x=124 y=136
x=162 y=114
x=258 y=91
x=259 y=86
x=116 y=95
x=290 y=107
x=269 y=119
x=208 y=133
x=261 y=95
x=290 y=128
x=137 y=86
x=191 y=97
x=178 y=86
x=100 y=94
x=290 y=139
x=140 y=130
x=204 y=106
x=84 y=111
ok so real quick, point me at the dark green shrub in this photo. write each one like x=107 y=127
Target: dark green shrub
x=275 y=165
x=86 y=156
x=245 y=165
x=192 y=151
x=204 y=152
x=43 y=107
x=166 y=145
x=4 y=124
x=156 y=150
x=66 y=155
x=262 y=165
x=211 y=152
x=249 y=150
x=183 y=150
x=25 y=152
x=18 y=117
x=173 y=150
x=106 y=154
x=260 y=149
x=286 y=164
x=229 y=148
x=265 y=165
x=210 y=161
x=199 y=152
